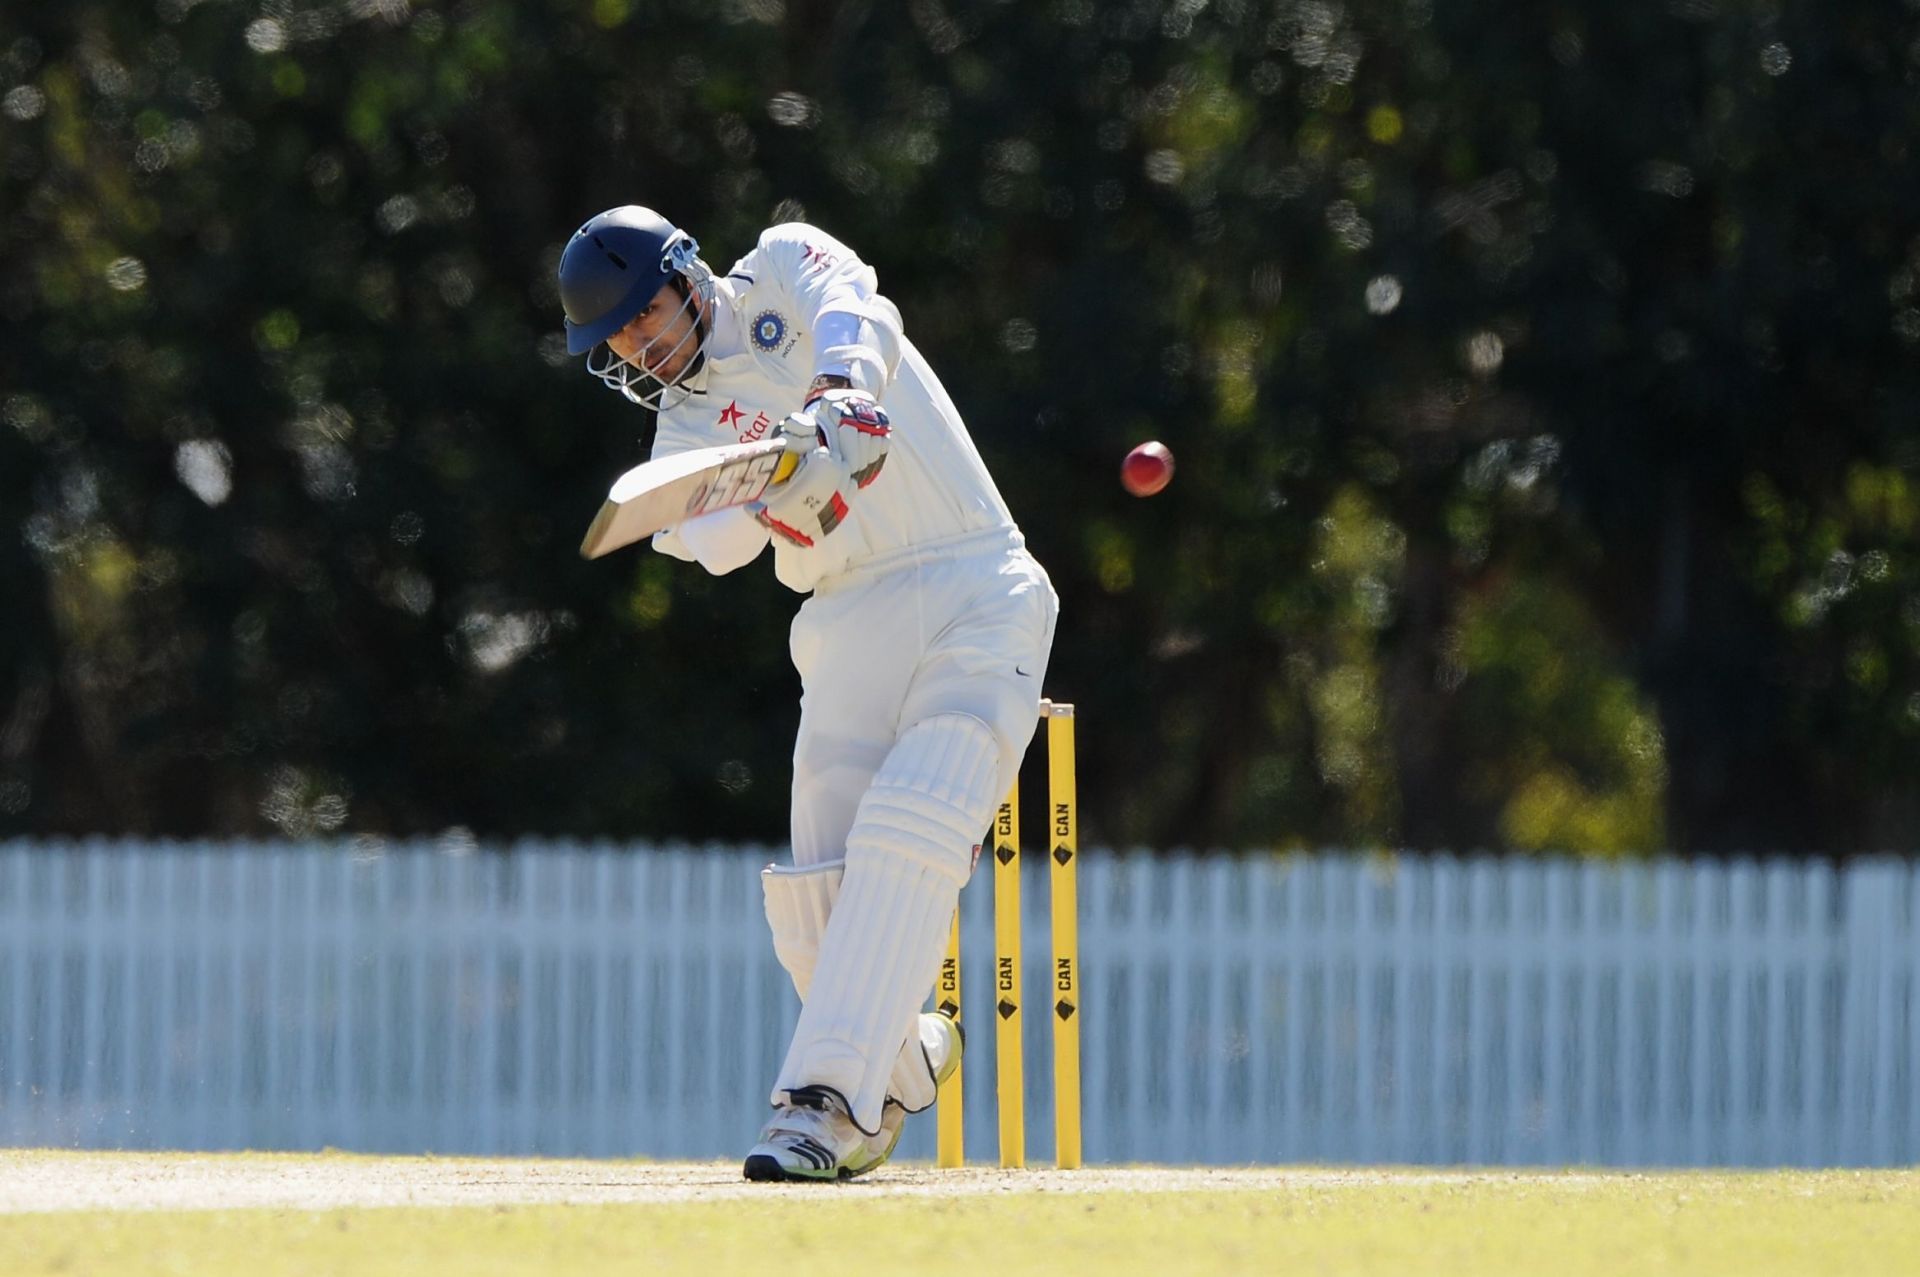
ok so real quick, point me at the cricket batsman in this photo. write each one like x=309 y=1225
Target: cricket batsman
x=921 y=647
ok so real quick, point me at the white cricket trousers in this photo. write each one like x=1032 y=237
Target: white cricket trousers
x=920 y=691
x=964 y=633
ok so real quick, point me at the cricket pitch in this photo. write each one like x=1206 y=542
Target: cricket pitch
x=267 y=1215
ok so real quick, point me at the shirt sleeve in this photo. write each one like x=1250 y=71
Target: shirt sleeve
x=721 y=541
x=856 y=329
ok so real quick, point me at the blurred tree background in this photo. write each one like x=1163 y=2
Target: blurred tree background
x=1543 y=380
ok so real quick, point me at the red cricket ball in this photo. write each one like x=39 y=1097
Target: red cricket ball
x=1147 y=469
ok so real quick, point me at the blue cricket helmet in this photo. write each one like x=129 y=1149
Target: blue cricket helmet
x=613 y=266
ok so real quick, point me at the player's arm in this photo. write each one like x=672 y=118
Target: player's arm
x=856 y=349
x=722 y=541
x=856 y=330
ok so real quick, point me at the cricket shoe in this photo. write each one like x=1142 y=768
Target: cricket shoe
x=812 y=1136
x=943 y=1040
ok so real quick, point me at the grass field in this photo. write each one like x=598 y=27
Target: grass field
x=561 y=1219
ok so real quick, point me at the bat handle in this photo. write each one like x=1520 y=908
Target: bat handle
x=798 y=444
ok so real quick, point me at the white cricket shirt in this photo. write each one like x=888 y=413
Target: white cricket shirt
x=761 y=355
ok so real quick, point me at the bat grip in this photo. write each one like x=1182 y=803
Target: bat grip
x=799 y=444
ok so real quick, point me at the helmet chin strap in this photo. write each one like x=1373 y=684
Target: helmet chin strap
x=632 y=379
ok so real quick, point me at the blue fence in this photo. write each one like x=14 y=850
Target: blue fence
x=592 y=1000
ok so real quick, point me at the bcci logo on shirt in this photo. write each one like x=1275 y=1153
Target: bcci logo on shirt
x=770 y=331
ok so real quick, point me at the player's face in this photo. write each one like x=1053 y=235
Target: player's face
x=661 y=340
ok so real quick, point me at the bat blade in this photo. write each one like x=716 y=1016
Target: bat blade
x=655 y=495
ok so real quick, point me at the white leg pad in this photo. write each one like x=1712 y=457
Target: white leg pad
x=911 y=1082
x=799 y=902
x=910 y=851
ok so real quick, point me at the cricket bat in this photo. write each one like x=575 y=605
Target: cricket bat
x=658 y=494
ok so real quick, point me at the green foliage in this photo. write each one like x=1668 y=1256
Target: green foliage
x=1562 y=745
x=1542 y=384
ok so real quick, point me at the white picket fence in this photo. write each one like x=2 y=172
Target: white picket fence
x=611 y=1001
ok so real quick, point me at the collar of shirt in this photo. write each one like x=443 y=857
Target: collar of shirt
x=726 y=341
x=726 y=337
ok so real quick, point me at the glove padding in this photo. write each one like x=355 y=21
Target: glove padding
x=856 y=430
x=808 y=505
x=853 y=436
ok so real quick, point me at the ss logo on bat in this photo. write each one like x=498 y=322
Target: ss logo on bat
x=734 y=485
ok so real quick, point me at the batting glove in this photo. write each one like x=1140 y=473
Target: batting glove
x=856 y=430
x=809 y=504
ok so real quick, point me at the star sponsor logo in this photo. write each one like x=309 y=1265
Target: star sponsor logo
x=756 y=428
x=733 y=414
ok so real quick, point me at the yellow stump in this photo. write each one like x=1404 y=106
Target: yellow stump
x=950 y=1117
x=1063 y=825
x=1012 y=1088
x=1063 y=846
